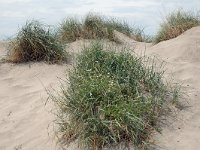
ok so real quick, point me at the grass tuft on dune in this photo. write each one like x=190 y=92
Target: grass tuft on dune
x=36 y=42
x=175 y=24
x=110 y=98
x=70 y=30
x=96 y=26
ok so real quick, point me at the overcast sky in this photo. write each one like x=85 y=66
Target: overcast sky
x=143 y=13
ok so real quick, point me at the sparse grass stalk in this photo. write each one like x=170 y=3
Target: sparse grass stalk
x=139 y=35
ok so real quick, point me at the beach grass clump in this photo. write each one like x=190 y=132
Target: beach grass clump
x=95 y=26
x=101 y=27
x=175 y=24
x=70 y=30
x=110 y=98
x=118 y=25
x=36 y=42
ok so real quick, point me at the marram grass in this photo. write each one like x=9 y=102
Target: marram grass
x=36 y=42
x=175 y=24
x=70 y=30
x=95 y=26
x=110 y=98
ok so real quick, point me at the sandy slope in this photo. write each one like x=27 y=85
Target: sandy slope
x=24 y=118
x=182 y=55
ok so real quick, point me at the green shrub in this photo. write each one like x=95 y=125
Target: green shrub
x=175 y=24
x=34 y=42
x=111 y=98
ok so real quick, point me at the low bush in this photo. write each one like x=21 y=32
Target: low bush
x=35 y=42
x=110 y=98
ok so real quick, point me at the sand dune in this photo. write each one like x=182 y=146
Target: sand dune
x=182 y=55
x=25 y=119
x=185 y=47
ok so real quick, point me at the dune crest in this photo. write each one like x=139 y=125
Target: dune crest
x=185 y=47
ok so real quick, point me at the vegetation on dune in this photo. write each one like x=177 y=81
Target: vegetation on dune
x=96 y=27
x=120 y=26
x=70 y=30
x=175 y=24
x=139 y=35
x=111 y=98
x=36 y=42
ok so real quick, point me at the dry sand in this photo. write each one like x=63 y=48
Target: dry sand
x=182 y=55
x=26 y=122
x=24 y=118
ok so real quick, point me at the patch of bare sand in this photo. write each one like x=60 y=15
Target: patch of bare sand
x=25 y=120
x=182 y=56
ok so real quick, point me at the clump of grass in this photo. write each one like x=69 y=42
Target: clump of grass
x=94 y=26
x=70 y=30
x=111 y=98
x=120 y=26
x=175 y=24
x=100 y=27
x=36 y=42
